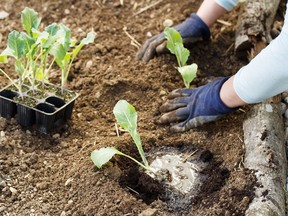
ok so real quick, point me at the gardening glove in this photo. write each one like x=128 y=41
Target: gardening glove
x=194 y=107
x=192 y=29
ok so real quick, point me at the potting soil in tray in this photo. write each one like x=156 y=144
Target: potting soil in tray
x=49 y=111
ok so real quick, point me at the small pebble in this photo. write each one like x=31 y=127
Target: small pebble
x=89 y=64
x=68 y=182
x=13 y=191
x=2 y=134
x=149 y=212
x=162 y=93
x=149 y=34
x=56 y=136
x=3 y=14
x=168 y=23
x=67 y=11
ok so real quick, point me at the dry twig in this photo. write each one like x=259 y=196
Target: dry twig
x=147 y=7
x=133 y=40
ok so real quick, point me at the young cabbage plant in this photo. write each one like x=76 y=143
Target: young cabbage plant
x=176 y=47
x=63 y=57
x=21 y=46
x=36 y=51
x=126 y=117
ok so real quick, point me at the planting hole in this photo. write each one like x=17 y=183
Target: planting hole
x=179 y=177
x=57 y=102
x=45 y=108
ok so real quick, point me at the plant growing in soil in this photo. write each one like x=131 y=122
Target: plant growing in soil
x=126 y=117
x=176 y=47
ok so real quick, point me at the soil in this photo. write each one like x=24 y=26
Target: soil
x=53 y=174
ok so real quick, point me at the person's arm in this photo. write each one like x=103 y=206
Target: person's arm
x=265 y=76
x=194 y=28
x=211 y=10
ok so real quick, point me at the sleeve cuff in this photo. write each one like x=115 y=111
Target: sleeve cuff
x=227 y=4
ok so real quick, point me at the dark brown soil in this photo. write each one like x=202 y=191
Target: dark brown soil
x=53 y=174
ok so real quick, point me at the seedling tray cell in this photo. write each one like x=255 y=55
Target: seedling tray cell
x=48 y=113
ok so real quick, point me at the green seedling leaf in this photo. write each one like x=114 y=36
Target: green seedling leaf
x=126 y=117
x=176 y=47
x=16 y=44
x=182 y=54
x=30 y=20
x=172 y=37
x=188 y=73
x=103 y=155
x=89 y=38
x=52 y=29
x=8 y=52
x=63 y=36
x=58 y=51
x=28 y=42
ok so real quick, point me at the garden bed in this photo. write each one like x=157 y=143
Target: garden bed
x=53 y=174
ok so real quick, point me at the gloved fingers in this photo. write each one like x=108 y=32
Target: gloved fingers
x=174 y=116
x=148 y=50
x=174 y=104
x=193 y=123
x=186 y=92
x=162 y=48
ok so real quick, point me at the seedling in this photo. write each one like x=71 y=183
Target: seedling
x=126 y=117
x=176 y=47
x=36 y=51
x=63 y=58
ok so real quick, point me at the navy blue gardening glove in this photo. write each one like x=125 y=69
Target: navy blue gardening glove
x=192 y=29
x=194 y=107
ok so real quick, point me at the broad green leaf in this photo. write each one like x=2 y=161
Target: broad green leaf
x=172 y=37
x=58 y=51
x=64 y=36
x=8 y=52
x=103 y=155
x=182 y=54
x=42 y=37
x=16 y=44
x=30 y=20
x=89 y=38
x=125 y=115
x=28 y=42
x=52 y=29
x=175 y=46
x=188 y=73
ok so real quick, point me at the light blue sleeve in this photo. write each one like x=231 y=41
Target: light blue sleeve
x=227 y=4
x=267 y=74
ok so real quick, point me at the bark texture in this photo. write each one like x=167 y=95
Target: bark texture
x=254 y=25
x=263 y=127
x=265 y=153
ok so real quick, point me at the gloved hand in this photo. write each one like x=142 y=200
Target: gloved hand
x=194 y=107
x=192 y=29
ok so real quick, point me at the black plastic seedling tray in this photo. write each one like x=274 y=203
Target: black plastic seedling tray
x=49 y=112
